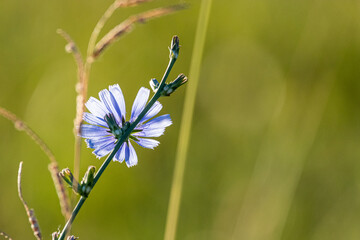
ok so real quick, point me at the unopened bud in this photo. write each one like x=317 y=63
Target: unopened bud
x=154 y=84
x=67 y=176
x=180 y=80
x=175 y=47
x=172 y=86
x=89 y=176
x=87 y=182
x=55 y=236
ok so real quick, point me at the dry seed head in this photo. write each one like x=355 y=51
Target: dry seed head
x=5 y=235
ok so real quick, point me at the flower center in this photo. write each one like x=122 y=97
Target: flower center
x=113 y=126
x=117 y=131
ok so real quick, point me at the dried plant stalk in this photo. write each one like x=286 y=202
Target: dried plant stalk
x=127 y=25
x=22 y=126
x=60 y=189
x=129 y=3
x=5 y=235
x=108 y=13
x=30 y=212
x=81 y=90
x=72 y=48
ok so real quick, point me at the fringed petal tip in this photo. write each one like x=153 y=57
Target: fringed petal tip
x=97 y=156
x=130 y=155
x=147 y=143
x=88 y=143
x=130 y=166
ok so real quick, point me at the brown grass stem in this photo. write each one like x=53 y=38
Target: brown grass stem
x=108 y=13
x=127 y=25
x=5 y=235
x=30 y=212
x=81 y=90
x=22 y=126
x=60 y=190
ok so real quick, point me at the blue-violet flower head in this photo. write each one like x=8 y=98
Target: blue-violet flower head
x=107 y=124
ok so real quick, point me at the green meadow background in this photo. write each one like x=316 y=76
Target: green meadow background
x=275 y=144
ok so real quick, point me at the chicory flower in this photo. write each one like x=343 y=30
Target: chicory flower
x=106 y=124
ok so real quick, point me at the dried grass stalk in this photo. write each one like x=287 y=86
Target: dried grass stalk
x=129 y=3
x=5 y=235
x=22 y=126
x=60 y=190
x=108 y=13
x=72 y=48
x=127 y=25
x=30 y=212
x=81 y=90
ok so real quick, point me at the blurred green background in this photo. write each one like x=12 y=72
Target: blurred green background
x=274 y=151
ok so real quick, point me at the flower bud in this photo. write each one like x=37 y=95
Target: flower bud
x=87 y=182
x=172 y=86
x=154 y=84
x=67 y=176
x=55 y=236
x=175 y=47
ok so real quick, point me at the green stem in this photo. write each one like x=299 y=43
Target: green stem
x=117 y=147
x=156 y=95
x=186 y=122
x=82 y=199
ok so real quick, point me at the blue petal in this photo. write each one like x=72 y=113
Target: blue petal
x=120 y=155
x=118 y=100
x=96 y=143
x=105 y=149
x=159 y=122
x=154 y=127
x=155 y=109
x=127 y=153
x=150 y=133
x=139 y=103
x=130 y=156
x=106 y=98
x=90 y=118
x=147 y=143
x=96 y=107
x=92 y=131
